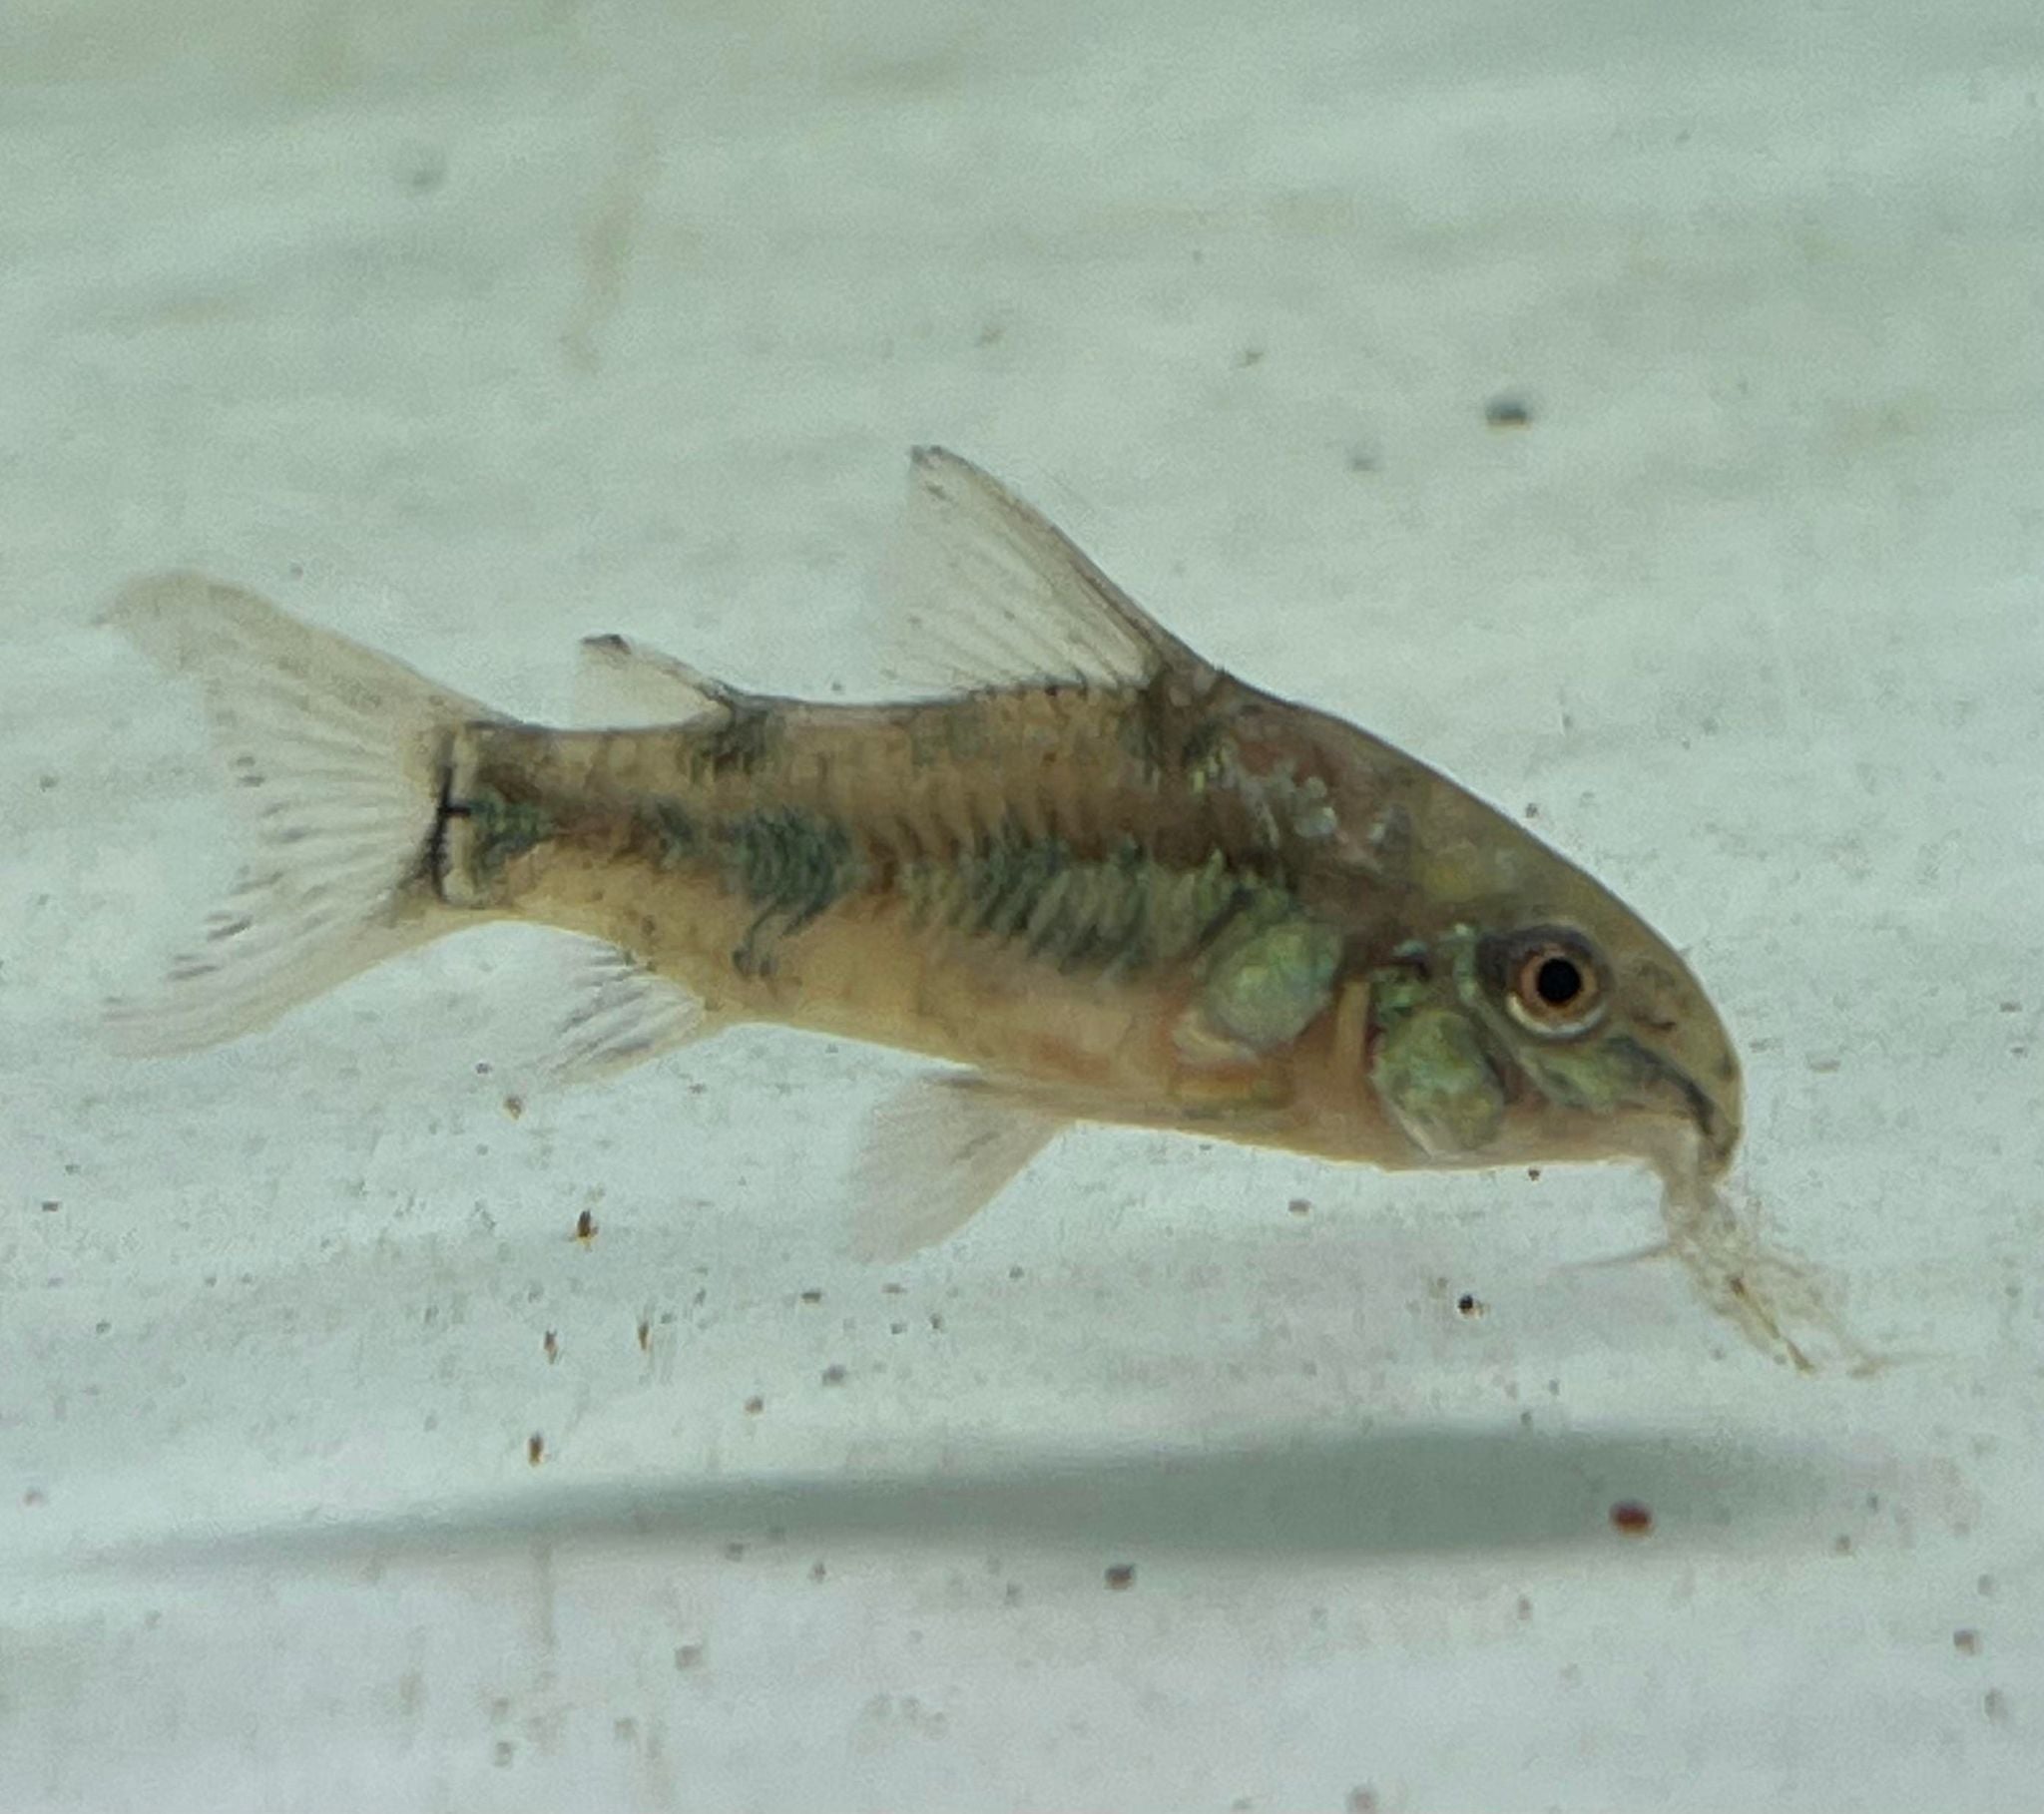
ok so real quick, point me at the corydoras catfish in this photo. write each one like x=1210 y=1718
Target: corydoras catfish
x=1106 y=877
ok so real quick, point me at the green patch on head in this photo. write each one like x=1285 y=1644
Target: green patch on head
x=1428 y=1067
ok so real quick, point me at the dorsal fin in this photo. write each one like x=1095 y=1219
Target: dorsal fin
x=620 y=684
x=986 y=592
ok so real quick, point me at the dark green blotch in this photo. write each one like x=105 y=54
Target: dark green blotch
x=672 y=832
x=742 y=741
x=502 y=829
x=1203 y=747
x=1005 y=885
x=1122 y=912
x=792 y=865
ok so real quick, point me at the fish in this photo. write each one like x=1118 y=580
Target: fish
x=1095 y=877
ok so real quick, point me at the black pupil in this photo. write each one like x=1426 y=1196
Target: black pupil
x=1558 y=982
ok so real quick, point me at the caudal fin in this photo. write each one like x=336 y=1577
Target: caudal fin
x=337 y=754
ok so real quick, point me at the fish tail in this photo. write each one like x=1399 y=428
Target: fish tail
x=339 y=755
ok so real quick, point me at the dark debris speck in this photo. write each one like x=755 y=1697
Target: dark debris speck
x=1632 y=1518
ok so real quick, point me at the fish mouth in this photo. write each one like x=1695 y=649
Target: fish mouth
x=1716 y=1120
x=1720 y=1129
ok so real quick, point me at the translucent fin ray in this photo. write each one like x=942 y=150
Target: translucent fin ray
x=334 y=753
x=938 y=1152
x=626 y=1015
x=620 y=684
x=982 y=591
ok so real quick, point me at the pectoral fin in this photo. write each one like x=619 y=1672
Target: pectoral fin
x=939 y=1151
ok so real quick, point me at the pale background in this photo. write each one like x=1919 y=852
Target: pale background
x=472 y=328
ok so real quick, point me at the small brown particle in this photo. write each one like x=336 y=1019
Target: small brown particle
x=1301 y=1206
x=1363 y=1801
x=813 y=1297
x=818 y=1571
x=505 y=1751
x=535 y=1448
x=754 y=1405
x=687 y=1656
x=833 y=1375
x=1966 y=1642
x=34 y=1497
x=1995 y=1703
x=552 y=1347
x=1119 y=1576
x=645 y=1336
x=1532 y=811
x=1631 y=1518
x=482 y=1067
x=1470 y=1305
x=1507 y=411
x=585 y=1226
x=514 y=1106
x=1533 y=1171
x=1841 y=1544
x=51 y=1206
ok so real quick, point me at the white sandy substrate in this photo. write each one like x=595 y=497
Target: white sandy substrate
x=471 y=329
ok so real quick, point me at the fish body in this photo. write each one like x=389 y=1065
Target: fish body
x=1108 y=879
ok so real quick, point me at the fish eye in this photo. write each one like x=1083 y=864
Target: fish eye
x=1554 y=985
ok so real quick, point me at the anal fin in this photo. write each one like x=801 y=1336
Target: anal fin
x=626 y=1014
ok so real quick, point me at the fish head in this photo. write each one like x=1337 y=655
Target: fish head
x=1535 y=1017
